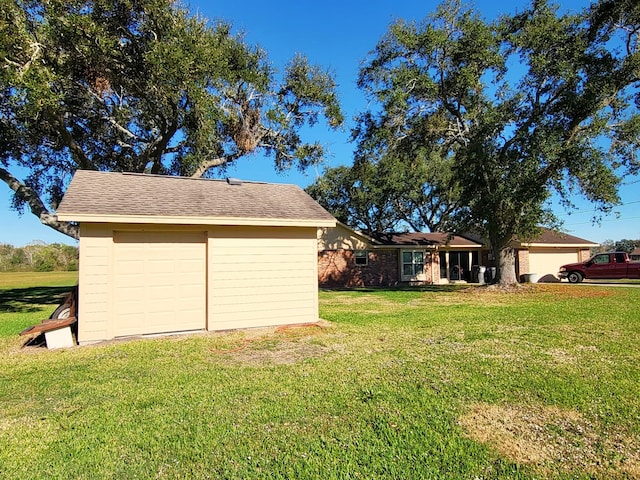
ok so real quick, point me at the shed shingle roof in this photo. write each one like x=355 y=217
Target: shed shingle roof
x=93 y=194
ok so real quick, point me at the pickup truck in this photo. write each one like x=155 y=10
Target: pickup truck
x=603 y=265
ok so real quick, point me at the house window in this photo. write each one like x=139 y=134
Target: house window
x=412 y=264
x=361 y=257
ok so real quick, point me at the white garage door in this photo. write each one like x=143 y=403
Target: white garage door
x=546 y=262
x=160 y=282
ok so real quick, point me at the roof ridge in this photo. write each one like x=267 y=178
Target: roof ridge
x=182 y=177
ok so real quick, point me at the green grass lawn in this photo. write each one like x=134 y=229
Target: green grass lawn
x=26 y=298
x=542 y=382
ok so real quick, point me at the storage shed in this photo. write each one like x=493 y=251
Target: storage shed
x=165 y=254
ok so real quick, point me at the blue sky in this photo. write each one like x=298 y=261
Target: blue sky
x=336 y=35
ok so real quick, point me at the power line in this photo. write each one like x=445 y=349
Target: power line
x=603 y=221
x=591 y=211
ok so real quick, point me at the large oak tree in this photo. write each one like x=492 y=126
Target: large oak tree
x=395 y=191
x=142 y=86
x=531 y=104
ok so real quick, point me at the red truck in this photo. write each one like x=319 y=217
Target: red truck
x=603 y=265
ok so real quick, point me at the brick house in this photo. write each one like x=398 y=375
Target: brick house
x=348 y=258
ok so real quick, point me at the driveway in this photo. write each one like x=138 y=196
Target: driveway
x=608 y=283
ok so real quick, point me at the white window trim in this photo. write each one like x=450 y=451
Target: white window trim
x=364 y=254
x=419 y=277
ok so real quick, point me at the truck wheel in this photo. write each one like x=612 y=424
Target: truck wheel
x=574 y=277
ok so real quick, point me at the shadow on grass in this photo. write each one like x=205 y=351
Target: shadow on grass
x=400 y=288
x=25 y=300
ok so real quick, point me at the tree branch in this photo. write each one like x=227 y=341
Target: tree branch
x=31 y=197
x=84 y=163
x=109 y=118
x=157 y=147
x=206 y=165
x=22 y=69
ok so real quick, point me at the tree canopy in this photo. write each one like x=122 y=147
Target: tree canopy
x=389 y=192
x=142 y=86
x=624 y=245
x=515 y=110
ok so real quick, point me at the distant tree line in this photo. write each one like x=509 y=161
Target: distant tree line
x=623 y=245
x=38 y=257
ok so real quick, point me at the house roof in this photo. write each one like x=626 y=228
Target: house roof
x=548 y=238
x=140 y=198
x=433 y=239
x=636 y=251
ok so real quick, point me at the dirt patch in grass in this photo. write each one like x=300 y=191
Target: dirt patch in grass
x=573 y=291
x=364 y=304
x=287 y=344
x=497 y=296
x=559 y=291
x=561 y=356
x=543 y=436
x=487 y=296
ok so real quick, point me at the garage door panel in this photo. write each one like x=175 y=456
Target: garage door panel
x=161 y=266
x=130 y=295
x=127 y=264
x=188 y=292
x=166 y=319
x=187 y=267
x=547 y=262
x=161 y=294
x=160 y=280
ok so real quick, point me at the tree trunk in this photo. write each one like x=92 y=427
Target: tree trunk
x=31 y=198
x=507 y=266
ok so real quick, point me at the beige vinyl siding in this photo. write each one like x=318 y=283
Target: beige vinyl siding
x=262 y=276
x=159 y=282
x=93 y=277
x=340 y=238
x=547 y=261
x=144 y=279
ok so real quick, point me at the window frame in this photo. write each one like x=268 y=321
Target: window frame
x=414 y=263
x=359 y=256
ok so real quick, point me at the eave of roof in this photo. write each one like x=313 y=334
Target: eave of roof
x=434 y=240
x=426 y=239
x=558 y=245
x=188 y=220
x=551 y=238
